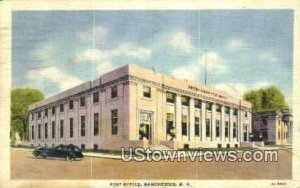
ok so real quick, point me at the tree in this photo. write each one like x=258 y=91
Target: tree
x=21 y=99
x=266 y=99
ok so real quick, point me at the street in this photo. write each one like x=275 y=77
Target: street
x=24 y=166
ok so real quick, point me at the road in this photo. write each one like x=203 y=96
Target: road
x=24 y=166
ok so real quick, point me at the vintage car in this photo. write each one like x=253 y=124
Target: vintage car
x=68 y=152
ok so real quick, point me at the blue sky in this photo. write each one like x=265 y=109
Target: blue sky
x=244 y=49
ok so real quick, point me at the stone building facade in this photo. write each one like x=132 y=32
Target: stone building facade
x=274 y=127
x=135 y=107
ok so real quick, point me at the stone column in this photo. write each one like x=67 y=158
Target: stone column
x=223 y=123
x=231 y=124
x=239 y=125
x=178 y=117
x=213 y=122
x=203 y=121
x=192 y=120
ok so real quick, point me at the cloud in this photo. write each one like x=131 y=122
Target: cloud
x=182 y=41
x=104 y=67
x=261 y=84
x=189 y=72
x=100 y=34
x=214 y=63
x=56 y=75
x=92 y=54
x=267 y=57
x=236 y=44
x=131 y=50
x=234 y=89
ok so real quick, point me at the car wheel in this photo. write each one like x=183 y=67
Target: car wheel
x=69 y=158
x=36 y=155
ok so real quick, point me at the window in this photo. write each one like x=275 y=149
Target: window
x=207 y=127
x=265 y=120
x=39 y=131
x=53 y=129
x=114 y=122
x=53 y=110
x=61 y=107
x=61 y=128
x=184 y=100
x=209 y=106
x=184 y=125
x=265 y=135
x=114 y=92
x=197 y=103
x=147 y=91
x=46 y=112
x=227 y=109
x=170 y=126
x=96 y=97
x=235 y=112
x=218 y=108
x=82 y=147
x=234 y=130
x=71 y=128
x=82 y=121
x=279 y=134
x=46 y=130
x=95 y=147
x=246 y=114
x=217 y=128
x=71 y=105
x=170 y=97
x=82 y=101
x=245 y=132
x=226 y=129
x=197 y=126
x=96 y=124
x=39 y=114
x=32 y=132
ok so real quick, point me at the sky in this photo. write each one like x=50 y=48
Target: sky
x=243 y=49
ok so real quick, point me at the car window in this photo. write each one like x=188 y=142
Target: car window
x=59 y=148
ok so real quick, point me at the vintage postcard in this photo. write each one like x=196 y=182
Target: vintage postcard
x=149 y=94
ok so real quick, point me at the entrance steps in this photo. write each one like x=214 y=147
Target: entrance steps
x=159 y=148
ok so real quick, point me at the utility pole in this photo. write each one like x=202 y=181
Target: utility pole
x=205 y=69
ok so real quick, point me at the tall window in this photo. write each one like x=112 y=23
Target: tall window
x=46 y=112
x=61 y=128
x=39 y=114
x=218 y=108
x=82 y=101
x=170 y=97
x=96 y=97
x=184 y=100
x=46 y=130
x=147 y=91
x=114 y=122
x=234 y=130
x=96 y=124
x=71 y=128
x=235 y=112
x=197 y=126
x=61 y=107
x=209 y=106
x=197 y=103
x=39 y=131
x=53 y=129
x=226 y=129
x=227 y=109
x=71 y=105
x=279 y=134
x=82 y=122
x=114 y=92
x=217 y=128
x=53 y=110
x=32 y=132
x=246 y=114
x=170 y=125
x=207 y=127
x=184 y=125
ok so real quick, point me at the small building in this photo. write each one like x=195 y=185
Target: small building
x=135 y=107
x=273 y=127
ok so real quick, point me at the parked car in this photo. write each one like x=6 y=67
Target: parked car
x=69 y=152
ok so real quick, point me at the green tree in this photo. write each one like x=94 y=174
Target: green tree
x=21 y=99
x=266 y=99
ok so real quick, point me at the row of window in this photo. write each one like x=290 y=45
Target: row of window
x=71 y=128
x=170 y=125
x=82 y=103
